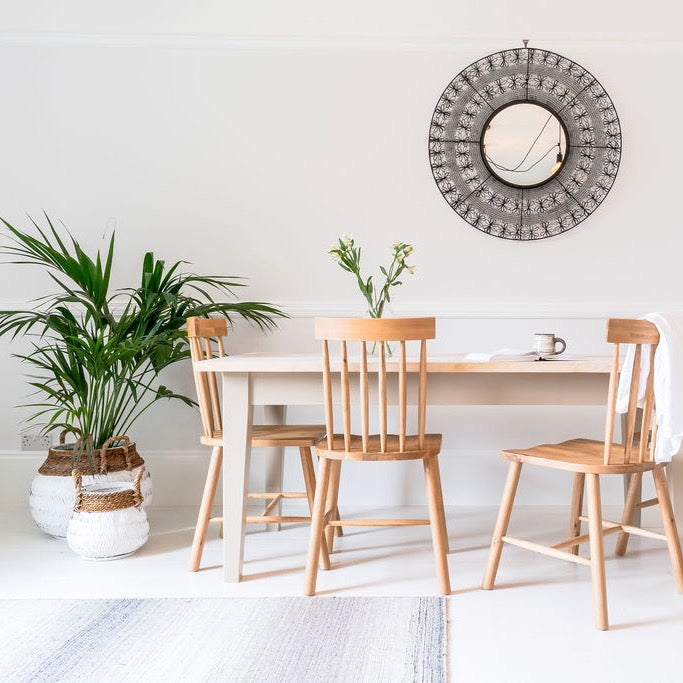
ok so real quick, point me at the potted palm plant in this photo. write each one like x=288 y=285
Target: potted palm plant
x=96 y=355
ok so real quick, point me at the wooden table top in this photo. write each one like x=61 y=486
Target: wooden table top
x=436 y=363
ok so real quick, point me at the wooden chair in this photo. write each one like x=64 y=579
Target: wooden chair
x=201 y=332
x=373 y=447
x=588 y=460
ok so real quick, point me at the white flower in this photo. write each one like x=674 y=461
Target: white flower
x=347 y=239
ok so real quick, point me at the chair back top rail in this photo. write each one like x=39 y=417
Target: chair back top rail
x=639 y=444
x=378 y=332
x=206 y=337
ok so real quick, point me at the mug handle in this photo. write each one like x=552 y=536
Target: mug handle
x=561 y=341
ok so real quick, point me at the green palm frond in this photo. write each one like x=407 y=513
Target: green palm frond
x=97 y=354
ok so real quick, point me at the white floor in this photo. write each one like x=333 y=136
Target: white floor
x=537 y=625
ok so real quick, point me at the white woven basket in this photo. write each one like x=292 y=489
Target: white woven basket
x=52 y=490
x=108 y=520
x=52 y=498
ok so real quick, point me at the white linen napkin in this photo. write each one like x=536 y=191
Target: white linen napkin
x=668 y=383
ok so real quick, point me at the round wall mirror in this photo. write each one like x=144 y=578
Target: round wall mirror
x=524 y=144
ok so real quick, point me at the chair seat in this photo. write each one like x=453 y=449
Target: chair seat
x=579 y=455
x=411 y=451
x=275 y=436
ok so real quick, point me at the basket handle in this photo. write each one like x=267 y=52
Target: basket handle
x=137 y=493
x=64 y=432
x=78 y=481
x=103 y=452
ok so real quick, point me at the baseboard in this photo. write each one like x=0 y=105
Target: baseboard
x=470 y=478
x=178 y=476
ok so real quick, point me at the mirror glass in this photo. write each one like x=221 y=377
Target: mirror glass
x=524 y=144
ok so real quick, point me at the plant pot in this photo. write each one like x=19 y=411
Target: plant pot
x=52 y=492
x=108 y=520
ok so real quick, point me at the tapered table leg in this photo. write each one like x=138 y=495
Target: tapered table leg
x=237 y=421
x=274 y=460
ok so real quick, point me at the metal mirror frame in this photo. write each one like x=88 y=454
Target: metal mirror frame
x=547 y=79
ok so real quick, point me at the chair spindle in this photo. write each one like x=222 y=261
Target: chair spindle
x=346 y=398
x=364 y=396
x=632 y=404
x=382 y=388
x=327 y=390
x=402 y=397
x=422 y=395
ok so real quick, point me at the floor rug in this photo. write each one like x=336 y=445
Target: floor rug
x=224 y=639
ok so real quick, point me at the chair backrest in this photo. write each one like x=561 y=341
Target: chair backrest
x=639 y=444
x=206 y=341
x=379 y=332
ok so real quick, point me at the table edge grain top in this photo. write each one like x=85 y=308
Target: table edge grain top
x=447 y=363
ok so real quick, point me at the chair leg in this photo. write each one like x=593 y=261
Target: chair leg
x=597 y=552
x=338 y=531
x=210 y=484
x=502 y=522
x=437 y=518
x=576 y=508
x=316 y=545
x=309 y=480
x=309 y=475
x=672 y=539
x=332 y=497
x=632 y=497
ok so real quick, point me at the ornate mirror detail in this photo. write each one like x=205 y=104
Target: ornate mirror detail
x=524 y=144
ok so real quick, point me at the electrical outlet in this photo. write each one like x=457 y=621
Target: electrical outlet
x=35 y=442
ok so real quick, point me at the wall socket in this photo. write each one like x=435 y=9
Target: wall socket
x=35 y=442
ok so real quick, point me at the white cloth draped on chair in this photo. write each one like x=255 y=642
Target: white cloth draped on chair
x=668 y=383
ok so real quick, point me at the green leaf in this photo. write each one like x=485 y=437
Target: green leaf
x=90 y=369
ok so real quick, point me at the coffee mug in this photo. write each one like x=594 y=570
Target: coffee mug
x=545 y=344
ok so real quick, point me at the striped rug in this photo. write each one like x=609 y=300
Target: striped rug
x=224 y=639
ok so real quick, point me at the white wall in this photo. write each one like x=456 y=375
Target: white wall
x=245 y=137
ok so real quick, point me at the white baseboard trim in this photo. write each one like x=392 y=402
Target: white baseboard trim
x=470 y=478
x=178 y=476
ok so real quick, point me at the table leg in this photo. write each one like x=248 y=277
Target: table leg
x=237 y=421
x=635 y=519
x=274 y=415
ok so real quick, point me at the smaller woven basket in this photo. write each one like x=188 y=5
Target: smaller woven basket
x=108 y=519
x=107 y=497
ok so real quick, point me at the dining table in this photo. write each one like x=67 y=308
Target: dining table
x=278 y=380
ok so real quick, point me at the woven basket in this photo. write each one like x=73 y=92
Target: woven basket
x=108 y=459
x=108 y=520
x=52 y=492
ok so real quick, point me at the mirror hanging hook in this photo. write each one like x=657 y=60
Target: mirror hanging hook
x=526 y=42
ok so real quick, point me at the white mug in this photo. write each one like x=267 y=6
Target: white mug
x=545 y=344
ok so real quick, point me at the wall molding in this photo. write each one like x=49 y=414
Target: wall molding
x=488 y=309
x=436 y=43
